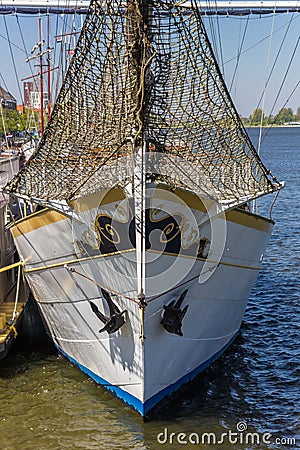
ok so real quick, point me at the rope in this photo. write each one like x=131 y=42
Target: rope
x=26 y=52
x=13 y=329
x=3 y=124
x=222 y=263
x=72 y=270
x=12 y=266
x=281 y=86
x=17 y=293
x=74 y=261
x=217 y=43
x=283 y=106
x=13 y=59
x=259 y=42
x=172 y=289
x=13 y=45
x=234 y=76
x=142 y=320
x=276 y=58
x=264 y=93
x=12 y=172
x=272 y=204
x=220 y=46
x=2 y=79
x=255 y=202
x=62 y=51
x=285 y=75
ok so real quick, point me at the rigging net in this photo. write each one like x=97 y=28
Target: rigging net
x=144 y=74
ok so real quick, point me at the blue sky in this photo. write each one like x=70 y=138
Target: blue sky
x=257 y=57
x=250 y=34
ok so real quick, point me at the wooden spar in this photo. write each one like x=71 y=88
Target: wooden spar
x=37 y=75
x=233 y=4
x=47 y=3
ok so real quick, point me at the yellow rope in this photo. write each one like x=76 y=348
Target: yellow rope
x=74 y=261
x=142 y=319
x=11 y=266
x=12 y=328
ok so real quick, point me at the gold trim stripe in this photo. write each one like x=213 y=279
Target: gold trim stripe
x=236 y=215
x=74 y=261
x=47 y=216
x=99 y=198
x=250 y=220
x=35 y=221
x=89 y=258
x=222 y=263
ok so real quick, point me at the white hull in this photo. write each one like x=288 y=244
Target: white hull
x=140 y=370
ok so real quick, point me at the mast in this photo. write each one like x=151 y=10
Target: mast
x=41 y=78
x=137 y=25
x=48 y=68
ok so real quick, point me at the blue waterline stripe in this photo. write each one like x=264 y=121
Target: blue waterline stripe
x=144 y=408
x=116 y=390
x=151 y=402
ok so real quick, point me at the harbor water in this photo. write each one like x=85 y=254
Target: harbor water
x=248 y=399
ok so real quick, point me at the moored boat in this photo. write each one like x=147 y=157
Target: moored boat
x=11 y=292
x=143 y=252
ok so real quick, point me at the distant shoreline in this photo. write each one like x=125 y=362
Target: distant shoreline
x=272 y=126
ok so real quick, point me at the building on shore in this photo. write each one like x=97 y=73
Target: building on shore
x=7 y=100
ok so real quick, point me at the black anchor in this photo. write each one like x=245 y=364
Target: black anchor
x=173 y=315
x=116 y=319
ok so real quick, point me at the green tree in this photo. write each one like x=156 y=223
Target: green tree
x=297 y=117
x=12 y=121
x=284 y=115
x=255 y=117
x=30 y=120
